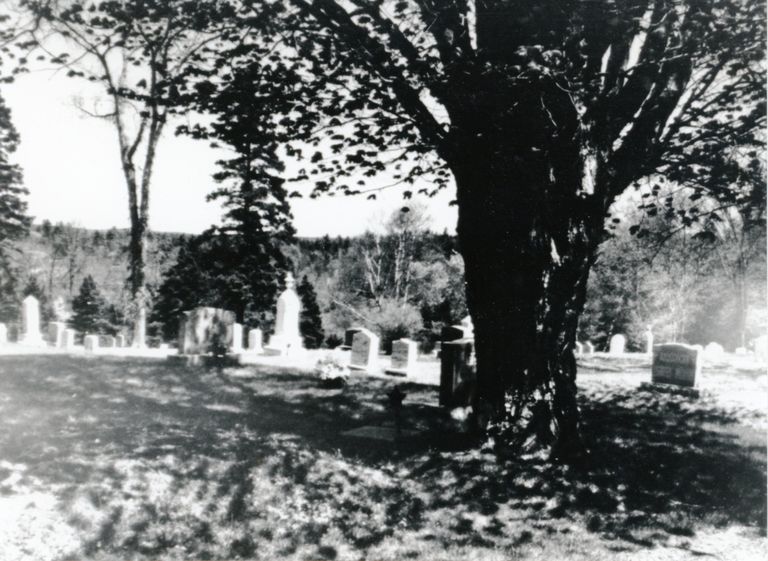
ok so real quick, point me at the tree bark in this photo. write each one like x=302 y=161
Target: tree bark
x=528 y=246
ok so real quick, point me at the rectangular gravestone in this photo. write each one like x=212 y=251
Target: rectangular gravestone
x=255 y=341
x=120 y=341
x=404 y=353
x=578 y=349
x=91 y=342
x=107 y=341
x=676 y=364
x=454 y=332
x=56 y=331
x=365 y=350
x=457 y=371
x=589 y=348
x=237 y=338
x=206 y=330
x=69 y=338
x=349 y=334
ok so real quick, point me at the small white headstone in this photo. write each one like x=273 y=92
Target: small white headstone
x=255 y=341
x=675 y=363
x=589 y=348
x=404 y=353
x=56 y=331
x=741 y=351
x=69 y=338
x=237 y=338
x=617 y=345
x=108 y=341
x=648 y=341
x=365 y=350
x=91 y=342
x=120 y=340
x=30 y=319
x=164 y=347
x=468 y=326
x=578 y=349
x=714 y=351
x=3 y=334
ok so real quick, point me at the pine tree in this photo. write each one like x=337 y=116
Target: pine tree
x=310 y=322
x=89 y=308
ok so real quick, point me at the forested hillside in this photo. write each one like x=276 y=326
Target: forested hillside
x=408 y=281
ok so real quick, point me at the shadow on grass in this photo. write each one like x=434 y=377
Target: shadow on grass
x=147 y=458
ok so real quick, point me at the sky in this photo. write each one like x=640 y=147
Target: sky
x=72 y=171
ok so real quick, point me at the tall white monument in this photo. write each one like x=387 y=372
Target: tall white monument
x=287 y=338
x=30 y=322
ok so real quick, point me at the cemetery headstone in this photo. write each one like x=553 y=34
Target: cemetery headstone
x=714 y=351
x=365 y=350
x=91 y=342
x=617 y=344
x=30 y=318
x=206 y=330
x=675 y=363
x=3 y=334
x=287 y=338
x=648 y=341
x=237 y=338
x=589 y=348
x=454 y=332
x=740 y=351
x=254 y=341
x=56 y=331
x=107 y=341
x=69 y=338
x=468 y=326
x=578 y=349
x=349 y=334
x=120 y=340
x=457 y=372
x=404 y=353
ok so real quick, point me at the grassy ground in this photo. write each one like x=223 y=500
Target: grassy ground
x=109 y=458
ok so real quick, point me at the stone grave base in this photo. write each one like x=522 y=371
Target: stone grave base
x=671 y=389
x=396 y=372
x=205 y=360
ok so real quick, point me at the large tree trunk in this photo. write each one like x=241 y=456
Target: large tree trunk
x=137 y=257
x=528 y=246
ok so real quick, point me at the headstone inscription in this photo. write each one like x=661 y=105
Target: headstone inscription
x=675 y=363
x=404 y=353
x=56 y=331
x=254 y=341
x=617 y=344
x=365 y=350
x=30 y=319
x=457 y=372
x=287 y=338
x=206 y=330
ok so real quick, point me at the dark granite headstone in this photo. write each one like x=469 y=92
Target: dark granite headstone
x=676 y=364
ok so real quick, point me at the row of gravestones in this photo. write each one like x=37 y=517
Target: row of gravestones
x=207 y=330
x=364 y=345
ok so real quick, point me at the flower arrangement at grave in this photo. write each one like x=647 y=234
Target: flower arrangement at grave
x=331 y=370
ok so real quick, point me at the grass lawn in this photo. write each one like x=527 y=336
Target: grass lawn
x=110 y=458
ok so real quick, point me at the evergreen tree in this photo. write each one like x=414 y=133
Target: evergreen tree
x=89 y=309
x=310 y=322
